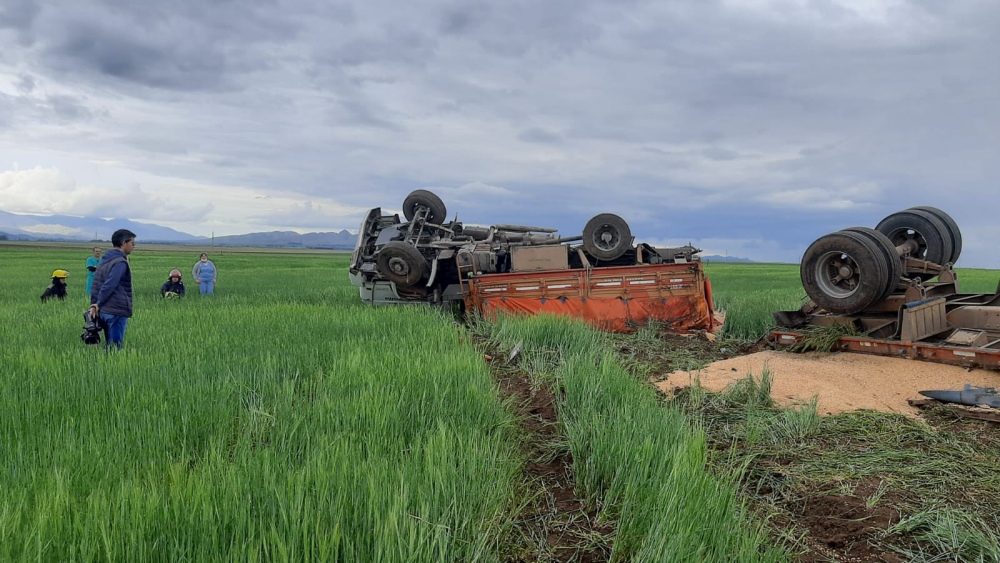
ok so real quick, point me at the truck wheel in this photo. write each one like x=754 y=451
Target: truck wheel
x=423 y=198
x=894 y=266
x=951 y=225
x=931 y=235
x=401 y=263
x=606 y=236
x=843 y=272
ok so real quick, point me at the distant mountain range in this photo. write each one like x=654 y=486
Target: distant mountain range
x=343 y=240
x=68 y=228
x=86 y=229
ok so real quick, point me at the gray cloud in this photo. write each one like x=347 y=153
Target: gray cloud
x=69 y=108
x=133 y=57
x=183 y=45
x=720 y=153
x=538 y=135
x=25 y=84
x=771 y=122
x=18 y=15
x=6 y=111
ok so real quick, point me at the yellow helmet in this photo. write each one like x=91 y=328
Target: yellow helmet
x=60 y=273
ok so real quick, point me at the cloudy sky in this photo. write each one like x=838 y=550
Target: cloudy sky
x=748 y=127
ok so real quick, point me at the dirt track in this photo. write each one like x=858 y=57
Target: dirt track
x=841 y=381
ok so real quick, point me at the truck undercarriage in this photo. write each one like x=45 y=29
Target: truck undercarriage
x=600 y=276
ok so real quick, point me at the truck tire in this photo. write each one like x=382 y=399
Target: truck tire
x=931 y=235
x=843 y=272
x=607 y=236
x=953 y=230
x=894 y=266
x=423 y=198
x=401 y=263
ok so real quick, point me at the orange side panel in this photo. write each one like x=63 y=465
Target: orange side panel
x=965 y=356
x=616 y=299
x=711 y=303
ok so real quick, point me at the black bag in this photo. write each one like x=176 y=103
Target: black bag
x=92 y=328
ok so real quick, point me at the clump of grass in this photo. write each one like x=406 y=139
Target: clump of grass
x=824 y=338
x=797 y=423
x=750 y=392
x=961 y=535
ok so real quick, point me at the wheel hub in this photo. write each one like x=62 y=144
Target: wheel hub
x=399 y=266
x=837 y=274
x=606 y=239
x=913 y=241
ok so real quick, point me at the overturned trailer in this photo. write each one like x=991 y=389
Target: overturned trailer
x=895 y=286
x=599 y=276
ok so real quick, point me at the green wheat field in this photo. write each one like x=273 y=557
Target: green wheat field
x=283 y=420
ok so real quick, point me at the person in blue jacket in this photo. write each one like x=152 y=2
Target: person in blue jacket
x=92 y=262
x=205 y=273
x=111 y=294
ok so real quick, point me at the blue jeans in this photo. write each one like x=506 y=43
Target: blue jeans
x=114 y=330
x=206 y=287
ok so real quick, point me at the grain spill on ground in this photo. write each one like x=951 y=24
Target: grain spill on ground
x=841 y=381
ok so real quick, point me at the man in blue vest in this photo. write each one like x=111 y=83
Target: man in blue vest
x=111 y=294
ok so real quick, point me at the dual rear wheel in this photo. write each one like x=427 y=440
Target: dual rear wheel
x=850 y=270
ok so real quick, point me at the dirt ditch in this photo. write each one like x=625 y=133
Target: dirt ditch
x=556 y=525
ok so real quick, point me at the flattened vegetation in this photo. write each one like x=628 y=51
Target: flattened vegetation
x=856 y=486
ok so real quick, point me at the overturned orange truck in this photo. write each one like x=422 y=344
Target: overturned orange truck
x=601 y=276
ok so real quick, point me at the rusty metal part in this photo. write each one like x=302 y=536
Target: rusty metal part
x=925 y=321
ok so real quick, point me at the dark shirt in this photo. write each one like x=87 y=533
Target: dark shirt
x=55 y=289
x=177 y=288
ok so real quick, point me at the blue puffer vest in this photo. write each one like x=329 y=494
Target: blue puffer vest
x=120 y=302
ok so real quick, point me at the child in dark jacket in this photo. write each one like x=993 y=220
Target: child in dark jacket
x=173 y=287
x=58 y=286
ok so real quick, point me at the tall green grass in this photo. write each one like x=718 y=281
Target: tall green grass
x=641 y=463
x=750 y=293
x=278 y=420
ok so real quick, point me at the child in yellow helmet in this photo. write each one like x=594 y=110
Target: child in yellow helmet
x=58 y=286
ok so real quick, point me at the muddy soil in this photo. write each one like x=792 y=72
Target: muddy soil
x=556 y=525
